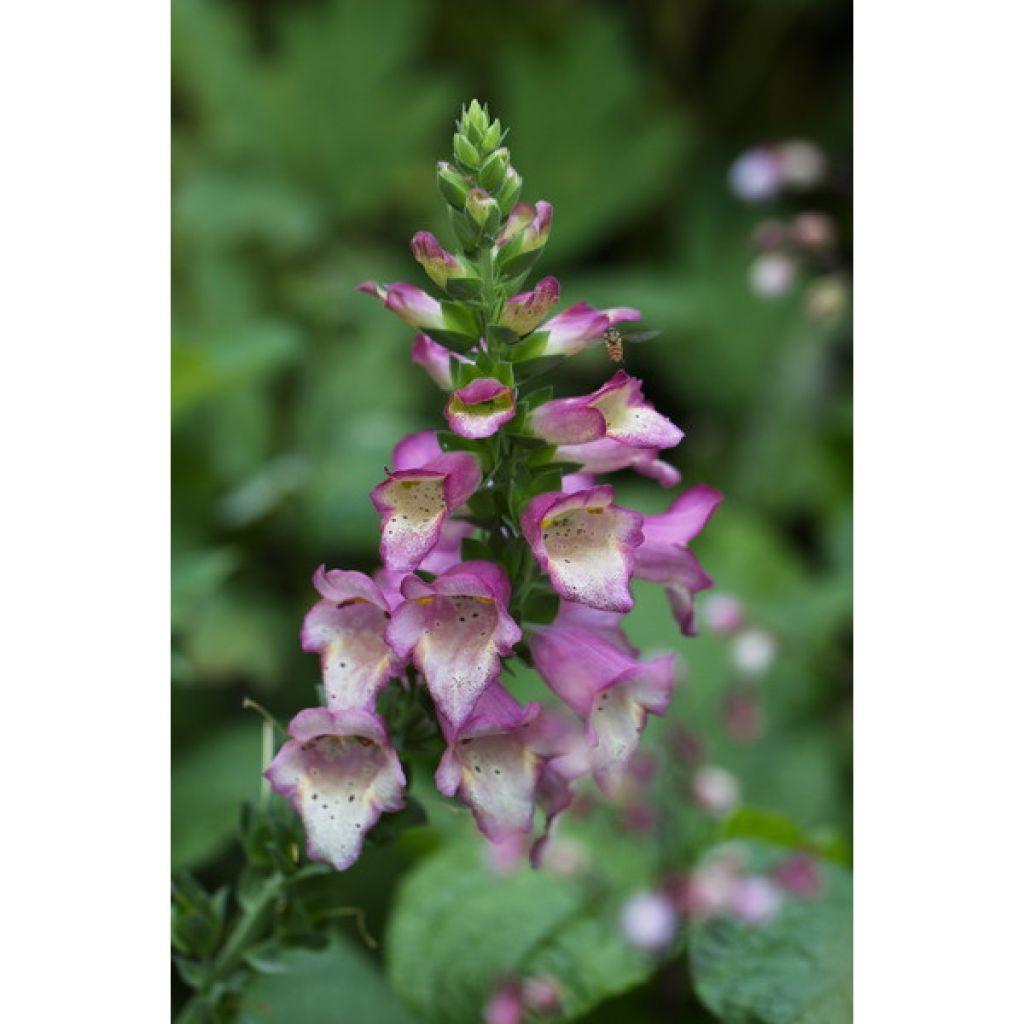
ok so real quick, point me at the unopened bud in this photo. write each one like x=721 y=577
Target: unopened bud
x=510 y=191
x=475 y=119
x=505 y=1006
x=454 y=186
x=465 y=152
x=492 y=170
x=492 y=136
x=483 y=210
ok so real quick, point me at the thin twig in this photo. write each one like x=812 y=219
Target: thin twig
x=250 y=705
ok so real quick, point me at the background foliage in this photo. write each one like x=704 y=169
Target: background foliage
x=304 y=141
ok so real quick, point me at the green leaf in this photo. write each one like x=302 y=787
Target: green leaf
x=463 y=287
x=458 y=929
x=796 y=969
x=339 y=983
x=209 y=783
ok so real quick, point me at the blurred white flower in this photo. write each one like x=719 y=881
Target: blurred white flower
x=772 y=275
x=648 y=921
x=813 y=230
x=802 y=164
x=756 y=175
x=755 y=899
x=754 y=651
x=715 y=790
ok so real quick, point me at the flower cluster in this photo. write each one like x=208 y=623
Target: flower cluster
x=496 y=542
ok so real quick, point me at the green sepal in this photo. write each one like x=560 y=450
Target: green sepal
x=532 y=399
x=502 y=336
x=492 y=171
x=510 y=191
x=465 y=152
x=532 y=347
x=460 y=319
x=519 y=263
x=465 y=288
x=466 y=232
x=541 y=607
x=453 y=339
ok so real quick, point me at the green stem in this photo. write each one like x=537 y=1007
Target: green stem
x=247 y=927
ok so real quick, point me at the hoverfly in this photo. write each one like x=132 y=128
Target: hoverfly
x=613 y=341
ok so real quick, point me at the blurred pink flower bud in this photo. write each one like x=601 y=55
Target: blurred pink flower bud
x=771 y=234
x=723 y=613
x=755 y=899
x=813 y=230
x=685 y=744
x=802 y=164
x=742 y=716
x=643 y=767
x=506 y=853
x=715 y=790
x=772 y=275
x=505 y=1006
x=753 y=652
x=707 y=892
x=648 y=921
x=799 y=875
x=639 y=817
x=756 y=175
x=542 y=995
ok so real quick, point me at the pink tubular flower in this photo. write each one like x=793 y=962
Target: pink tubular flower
x=425 y=487
x=448 y=550
x=436 y=360
x=457 y=629
x=346 y=628
x=409 y=303
x=481 y=408
x=608 y=687
x=609 y=455
x=585 y=544
x=438 y=263
x=339 y=772
x=581 y=326
x=617 y=410
x=494 y=762
x=527 y=227
x=664 y=557
x=523 y=312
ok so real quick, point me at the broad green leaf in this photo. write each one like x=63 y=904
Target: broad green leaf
x=458 y=928
x=796 y=969
x=337 y=985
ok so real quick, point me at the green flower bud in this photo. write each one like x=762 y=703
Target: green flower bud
x=491 y=137
x=465 y=152
x=492 y=170
x=483 y=210
x=476 y=119
x=510 y=191
x=453 y=185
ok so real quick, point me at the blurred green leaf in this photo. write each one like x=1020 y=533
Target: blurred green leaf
x=209 y=783
x=480 y=926
x=795 y=969
x=337 y=985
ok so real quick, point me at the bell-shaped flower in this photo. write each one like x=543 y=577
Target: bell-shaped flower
x=481 y=408
x=436 y=360
x=438 y=263
x=608 y=687
x=585 y=544
x=581 y=326
x=425 y=487
x=339 y=772
x=346 y=628
x=527 y=227
x=617 y=410
x=494 y=762
x=456 y=629
x=608 y=455
x=448 y=550
x=665 y=558
x=409 y=303
x=523 y=312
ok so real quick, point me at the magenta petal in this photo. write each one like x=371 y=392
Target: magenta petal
x=339 y=773
x=446 y=553
x=523 y=312
x=608 y=455
x=611 y=690
x=346 y=629
x=415 y=450
x=435 y=359
x=481 y=408
x=410 y=304
x=585 y=544
x=629 y=419
x=456 y=629
x=567 y=421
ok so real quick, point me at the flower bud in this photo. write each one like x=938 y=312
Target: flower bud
x=510 y=191
x=522 y=313
x=492 y=170
x=475 y=121
x=492 y=136
x=465 y=152
x=483 y=210
x=436 y=261
x=505 y=1006
x=453 y=185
